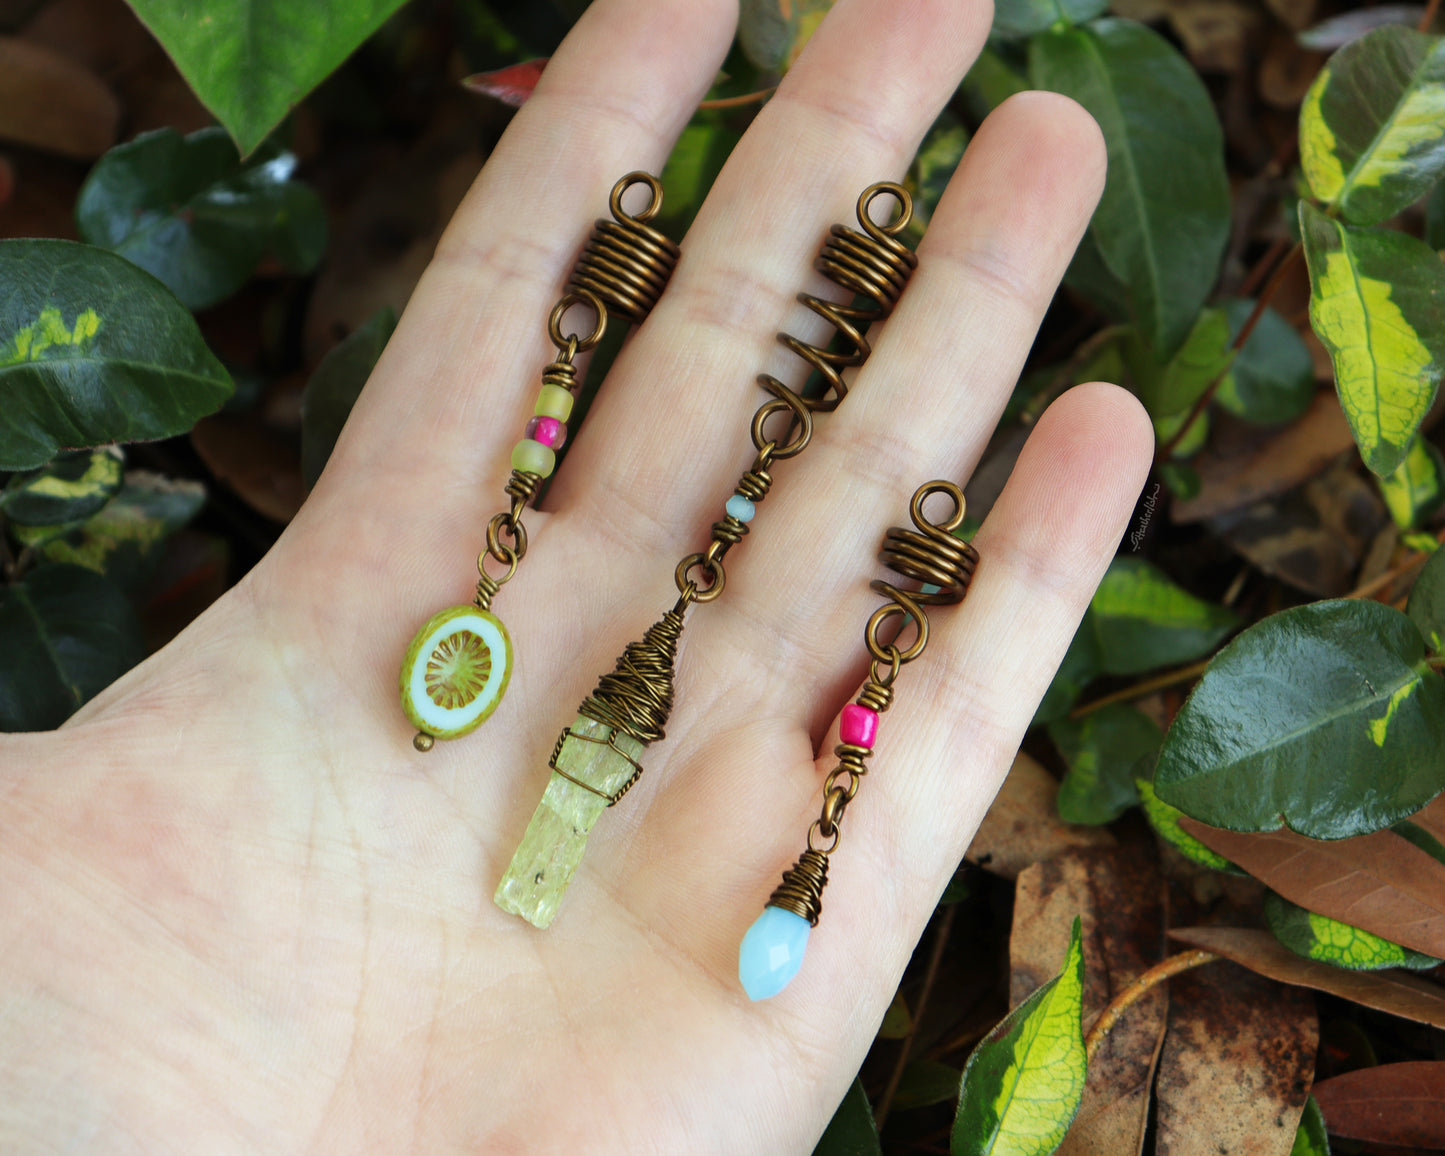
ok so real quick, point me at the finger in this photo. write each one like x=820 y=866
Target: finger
x=455 y=386
x=850 y=111
x=923 y=407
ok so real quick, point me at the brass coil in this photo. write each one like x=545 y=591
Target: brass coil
x=636 y=697
x=561 y=373
x=729 y=530
x=487 y=587
x=801 y=890
x=929 y=554
x=755 y=484
x=626 y=263
x=875 y=696
x=522 y=485
x=872 y=264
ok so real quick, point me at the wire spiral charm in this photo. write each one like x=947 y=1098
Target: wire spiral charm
x=636 y=697
x=872 y=264
x=626 y=263
x=772 y=950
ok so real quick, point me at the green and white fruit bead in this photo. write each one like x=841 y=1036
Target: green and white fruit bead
x=454 y=673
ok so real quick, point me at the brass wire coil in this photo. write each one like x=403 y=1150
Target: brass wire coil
x=626 y=263
x=636 y=697
x=801 y=890
x=872 y=264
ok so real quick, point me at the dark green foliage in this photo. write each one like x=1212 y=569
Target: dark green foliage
x=334 y=388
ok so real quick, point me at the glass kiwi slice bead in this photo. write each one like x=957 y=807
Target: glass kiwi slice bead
x=455 y=673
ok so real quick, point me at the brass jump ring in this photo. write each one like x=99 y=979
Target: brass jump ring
x=572 y=342
x=715 y=571
x=803 y=425
x=517 y=531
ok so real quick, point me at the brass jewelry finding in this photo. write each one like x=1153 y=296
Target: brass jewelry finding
x=597 y=759
x=772 y=950
x=458 y=665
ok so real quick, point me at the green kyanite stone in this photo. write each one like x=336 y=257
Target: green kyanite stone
x=557 y=835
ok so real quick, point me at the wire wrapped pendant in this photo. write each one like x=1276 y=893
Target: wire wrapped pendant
x=596 y=760
x=459 y=663
x=772 y=950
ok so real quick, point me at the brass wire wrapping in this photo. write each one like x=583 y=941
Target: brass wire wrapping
x=636 y=697
x=626 y=263
x=929 y=554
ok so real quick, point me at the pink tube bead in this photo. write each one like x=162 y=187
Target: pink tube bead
x=859 y=725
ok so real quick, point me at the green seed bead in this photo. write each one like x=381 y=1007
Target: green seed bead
x=533 y=458
x=554 y=401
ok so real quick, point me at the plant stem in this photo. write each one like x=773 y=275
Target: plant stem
x=1202 y=402
x=1148 y=686
x=1417 y=558
x=739 y=101
x=1427 y=18
x=1137 y=990
x=930 y=975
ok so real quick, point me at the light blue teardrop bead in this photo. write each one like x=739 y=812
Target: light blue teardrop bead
x=772 y=952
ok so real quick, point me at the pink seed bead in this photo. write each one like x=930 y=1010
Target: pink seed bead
x=859 y=725
x=547 y=430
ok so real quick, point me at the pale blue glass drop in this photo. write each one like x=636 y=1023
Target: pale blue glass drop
x=740 y=508
x=772 y=952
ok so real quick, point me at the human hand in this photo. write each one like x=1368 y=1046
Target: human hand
x=243 y=915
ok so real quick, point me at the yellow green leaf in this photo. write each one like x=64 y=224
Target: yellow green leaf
x=1311 y=1139
x=1417 y=487
x=1023 y=1083
x=68 y=490
x=1372 y=127
x=1377 y=301
x=1329 y=941
x=1165 y=821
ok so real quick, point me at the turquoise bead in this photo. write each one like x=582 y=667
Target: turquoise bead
x=772 y=952
x=740 y=508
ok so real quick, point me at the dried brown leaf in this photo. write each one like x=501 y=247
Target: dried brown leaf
x=54 y=104
x=1380 y=882
x=1236 y=1067
x=1394 y=991
x=1118 y=894
x=261 y=465
x=1390 y=1104
x=511 y=85
x=1023 y=827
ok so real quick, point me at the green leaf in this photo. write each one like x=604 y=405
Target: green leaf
x=1417 y=487
x=773 y=32
x=990 y=82
x=934 y=165
x=1377 y=301
x=1272 y=379
x=1330 y=941
x=1311 y=1138
x=851 y=1131
x=66 y=635
x=1102 y=750
x=1170 y=387
x=1163 y=219
x=695 y=161
x=897 y=1020
x=123 y=541
x=1165 y=821
x=1435 y=217
x=1427 y=602
x=334 y=387
x=1324 y=718
x=1082 y=663
x=188 y=211
x=1022 y=1085
x=69 y=489
x=253 y=63
x=94 y=350
x=1142 y=620
x=1016 y=19
x=1191 y=443
x=1090 y=277
x=926 y=1082
x=1182 y=479
x=1372 y=126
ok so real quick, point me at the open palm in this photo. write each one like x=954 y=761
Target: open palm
x=242 y=914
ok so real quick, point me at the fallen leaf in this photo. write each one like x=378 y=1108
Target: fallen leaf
x=1380 y=882
x=1236 y=1067
x=1287 y=71
x=1390 y=1104
x=54 y=104
x=1118 y=894
x=1397 y=992
x=1267 y=463
x=511 y=85
x=260 y=465
x=1022 y=826
x=1339 y=30
x=1215 y=33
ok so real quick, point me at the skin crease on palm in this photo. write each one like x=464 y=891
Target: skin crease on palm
x=242 y=915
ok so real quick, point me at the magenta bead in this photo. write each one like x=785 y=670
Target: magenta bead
x=859 y=725
x=548 y=431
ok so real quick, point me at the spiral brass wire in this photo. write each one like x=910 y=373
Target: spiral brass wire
x=636 y=697
x=872 y=264
x=626 y=263
x=801 y=890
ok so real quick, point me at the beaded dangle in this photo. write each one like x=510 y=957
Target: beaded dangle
x=772 y=950
x=457 y=667
x=597 y=759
